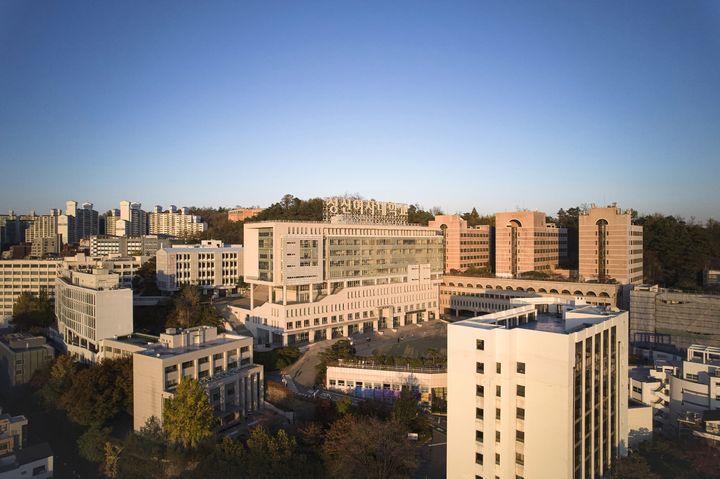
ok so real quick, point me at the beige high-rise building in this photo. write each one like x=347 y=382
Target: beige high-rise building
x=465 y=246
x=222 y=363
x=132 y=221
x=524 y=242
x=538 y=391
x=611 y=247
x=44 y=226
x=174 y=222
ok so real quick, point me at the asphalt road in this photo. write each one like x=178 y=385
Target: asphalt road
x=412 y=340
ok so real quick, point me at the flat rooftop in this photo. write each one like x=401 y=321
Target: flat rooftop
x=163 y=352
x=136 y=338
x=574 y=319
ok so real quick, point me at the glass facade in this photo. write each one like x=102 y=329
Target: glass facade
x=265 y=254
x=351 y=257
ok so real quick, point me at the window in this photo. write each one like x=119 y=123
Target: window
x=478 y=458
x=520 y=436
x=521 y=368
x=479 y=436
x=520 y=390
x=479 y=413
x=498 y=368
x=498 y=391
x=497 y=459
x=497 y=414
x=480 y=344
x=520 y=413
x=497 y=436
x=480 y=368
x=480 y=391
x=519 y=458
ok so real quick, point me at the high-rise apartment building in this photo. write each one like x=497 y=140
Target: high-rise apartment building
x=91 y=306
x=465 y=247
x=12 y=228
x=524 y=242
x=222 y=363
x=210 y=265
x=317 y=280
x=539 y=390
x=43 y=226
x=132 y=221
x=610 y=246
x=109 y=220
x=78 y=223
x=174 y=222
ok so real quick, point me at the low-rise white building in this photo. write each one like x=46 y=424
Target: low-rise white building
x=17 y=459
x=537 y=391
x=209 y=265
x=696 y=387
x=222 y=363
x=386 y=382
x=91 y=306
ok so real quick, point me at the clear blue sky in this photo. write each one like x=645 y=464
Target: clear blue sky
x=497 y=105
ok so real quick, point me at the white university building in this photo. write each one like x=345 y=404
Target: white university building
x=537 y=391
x=316 y=280
x=91 y=306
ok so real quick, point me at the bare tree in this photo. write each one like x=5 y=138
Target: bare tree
x=368 y=448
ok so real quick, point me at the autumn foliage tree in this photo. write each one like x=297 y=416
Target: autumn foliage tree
x=188 y=418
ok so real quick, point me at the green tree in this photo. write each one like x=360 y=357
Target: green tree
x=272 y=456
x=58 y=381
x=416 y=215
x=634 y=466
x=188 y=418
x=97 y=394
x=368 y=448
x=91 y=445
x=145 y=280
x=32 y=312
x=189 y=310
x=226 y=460
x=405 y=408
x=343 y=405
x=112 y=457
x=473 y=218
